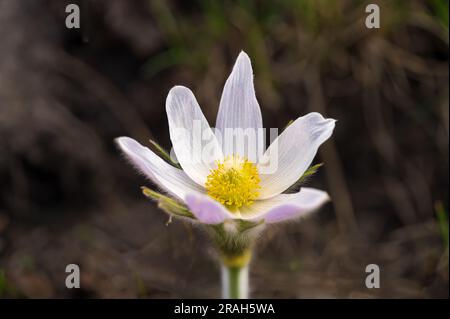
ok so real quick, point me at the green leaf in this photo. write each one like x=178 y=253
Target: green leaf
x=442 y=221
x=440 y=12
x=6 y=289
x=306 y=175
x=167 y=204
x=310 y=171
x=288 y=123
x=164 y=154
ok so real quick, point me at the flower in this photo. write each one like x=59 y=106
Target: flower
x=227 y=184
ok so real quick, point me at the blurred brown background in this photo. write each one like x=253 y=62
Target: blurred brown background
x=68 y=196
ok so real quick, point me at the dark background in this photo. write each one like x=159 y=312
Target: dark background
x=68 y=196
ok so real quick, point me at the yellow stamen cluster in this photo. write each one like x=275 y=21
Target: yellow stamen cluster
x=234 y=183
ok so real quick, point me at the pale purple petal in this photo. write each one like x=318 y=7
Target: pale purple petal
x=286 y=206
x=207 y=210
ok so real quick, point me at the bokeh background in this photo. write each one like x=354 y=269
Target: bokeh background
x=68 y=196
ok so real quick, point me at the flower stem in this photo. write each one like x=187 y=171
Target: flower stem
x=234 y=282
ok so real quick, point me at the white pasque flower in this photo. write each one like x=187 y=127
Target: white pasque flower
x=231 y=186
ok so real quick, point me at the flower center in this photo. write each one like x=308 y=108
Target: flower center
x=234 y=183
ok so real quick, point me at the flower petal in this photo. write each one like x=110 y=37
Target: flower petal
x=239 y=108
x=292 y=152
x=194 y=142
x=169 y=178
x=286 y=206
x=206 y=210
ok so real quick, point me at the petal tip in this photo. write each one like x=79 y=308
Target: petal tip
x=243 y=64
x=178 y=96
x=118 y=140
x=243 y=56
x=178 y=90
x=124 y=142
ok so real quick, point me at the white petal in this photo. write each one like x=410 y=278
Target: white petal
x=238 y=105
x=194 y=143
x=206 y=209
x=169 y=178
x=292 y=152
x=286 y=206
